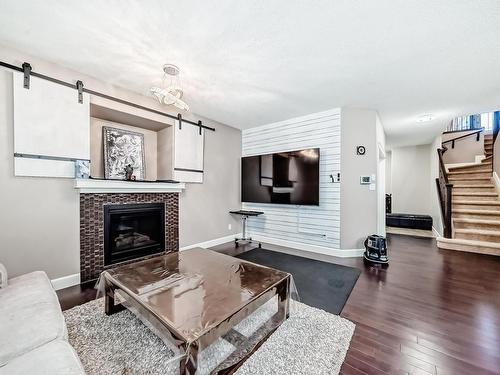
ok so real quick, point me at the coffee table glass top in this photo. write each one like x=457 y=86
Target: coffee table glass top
x=193 y=290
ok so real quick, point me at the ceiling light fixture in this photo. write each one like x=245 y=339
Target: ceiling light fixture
x=170 y=92
x=425 y=118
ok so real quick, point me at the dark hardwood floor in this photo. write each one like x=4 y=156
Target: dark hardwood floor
x=430 y=312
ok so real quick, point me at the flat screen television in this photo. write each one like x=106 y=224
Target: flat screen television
x=284 y=177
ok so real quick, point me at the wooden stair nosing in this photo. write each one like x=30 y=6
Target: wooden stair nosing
x=471 y=246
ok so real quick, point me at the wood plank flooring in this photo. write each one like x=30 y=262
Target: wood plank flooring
x=430 y=312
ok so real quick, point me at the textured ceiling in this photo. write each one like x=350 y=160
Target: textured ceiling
x=247 y=63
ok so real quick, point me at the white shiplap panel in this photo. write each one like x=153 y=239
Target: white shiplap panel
x=312 y=225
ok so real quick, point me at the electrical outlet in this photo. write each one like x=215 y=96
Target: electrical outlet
x=229 y=227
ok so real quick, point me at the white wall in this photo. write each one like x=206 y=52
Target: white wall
x=410 y=171
x=39 y=217
x=316 y=228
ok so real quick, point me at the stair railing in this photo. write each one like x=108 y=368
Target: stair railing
x=496 y=129
x=477 y=133
x=496 y=125
x=444 y=189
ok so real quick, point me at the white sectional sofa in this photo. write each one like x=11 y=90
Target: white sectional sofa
x=33 y=333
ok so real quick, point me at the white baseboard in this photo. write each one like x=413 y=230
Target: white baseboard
x=214 y=242
x=342 y=253
x=436 y=233
x=66 y=281
x=496 y=181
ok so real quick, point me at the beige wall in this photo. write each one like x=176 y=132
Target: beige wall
x=97 y=150
x=381 y=171
x=358 y=204
x=410 y=171
x=388 y=174
x=466 y=149
x=165 y=158
x=39 y=217
x=204 y=208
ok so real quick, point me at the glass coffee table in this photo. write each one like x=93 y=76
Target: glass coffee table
x=194 y=297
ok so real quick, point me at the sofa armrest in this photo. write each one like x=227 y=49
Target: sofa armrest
x=3 y=276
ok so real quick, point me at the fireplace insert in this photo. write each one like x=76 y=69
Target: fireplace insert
x=132 y=231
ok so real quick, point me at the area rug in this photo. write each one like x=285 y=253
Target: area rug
x=311 y=341
x=320 y=284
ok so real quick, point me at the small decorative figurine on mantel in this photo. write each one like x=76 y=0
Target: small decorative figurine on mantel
x=129 y=173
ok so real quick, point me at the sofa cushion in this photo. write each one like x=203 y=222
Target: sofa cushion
x=55 y=358
x=30 y=315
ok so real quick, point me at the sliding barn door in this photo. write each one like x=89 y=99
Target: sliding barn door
x=51 y=128
x=188 y=153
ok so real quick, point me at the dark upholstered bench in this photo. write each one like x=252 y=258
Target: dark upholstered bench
x=409 y=221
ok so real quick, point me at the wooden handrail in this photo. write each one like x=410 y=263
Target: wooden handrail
x=496 y=126
x=444 y=189
x=477 y=133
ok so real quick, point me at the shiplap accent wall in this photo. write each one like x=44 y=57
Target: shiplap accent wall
x=316 y=227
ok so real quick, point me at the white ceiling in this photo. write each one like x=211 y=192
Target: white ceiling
x=247 y=63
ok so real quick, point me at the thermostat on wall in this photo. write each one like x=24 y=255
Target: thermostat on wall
x=365 y=180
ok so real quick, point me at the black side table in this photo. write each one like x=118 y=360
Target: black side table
x=244 y=216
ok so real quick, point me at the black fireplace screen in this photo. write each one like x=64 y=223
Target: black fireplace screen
x=132 y=231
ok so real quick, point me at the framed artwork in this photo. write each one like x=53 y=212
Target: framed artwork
x=123 y=148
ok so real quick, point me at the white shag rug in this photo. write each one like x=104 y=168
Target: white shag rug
x=311 y=341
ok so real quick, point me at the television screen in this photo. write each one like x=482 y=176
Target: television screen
x=285 y=177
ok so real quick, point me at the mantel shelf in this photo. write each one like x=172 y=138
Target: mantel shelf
x=115 y=186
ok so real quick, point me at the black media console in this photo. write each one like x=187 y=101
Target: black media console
x=409 y=221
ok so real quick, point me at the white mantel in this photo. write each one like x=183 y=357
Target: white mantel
x=116 y=186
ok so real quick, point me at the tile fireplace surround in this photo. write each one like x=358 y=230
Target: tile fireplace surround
x=92 y=226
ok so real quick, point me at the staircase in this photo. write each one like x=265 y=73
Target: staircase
x=475 y=211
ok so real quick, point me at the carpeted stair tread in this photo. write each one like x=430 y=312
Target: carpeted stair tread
x=477 y=203
x=485 y=186
x=469 y=172
x=477 y=167
x=465 y=178
x=474 y=194
x=476 y=221
x=484 y=232
x=474 y=212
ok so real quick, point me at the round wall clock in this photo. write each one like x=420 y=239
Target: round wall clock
x=360 y=150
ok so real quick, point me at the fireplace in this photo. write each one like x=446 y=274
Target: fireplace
x=133 y=231
x=94 y=211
